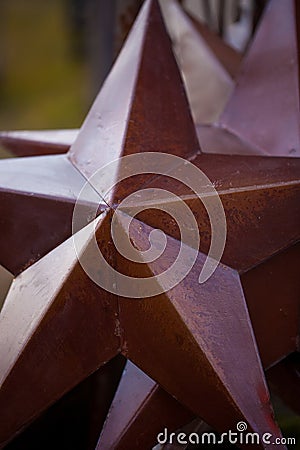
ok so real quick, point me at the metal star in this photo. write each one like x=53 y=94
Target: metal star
x=67 y=327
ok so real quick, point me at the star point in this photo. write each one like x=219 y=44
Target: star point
x=71 y=314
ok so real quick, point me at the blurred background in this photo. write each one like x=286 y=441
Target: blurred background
x=55 y=55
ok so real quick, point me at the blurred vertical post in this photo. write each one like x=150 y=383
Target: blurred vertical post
x=126 y=13
x=2 y=45
x=108 y=23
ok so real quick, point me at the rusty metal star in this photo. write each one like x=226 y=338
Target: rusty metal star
x=66 y=327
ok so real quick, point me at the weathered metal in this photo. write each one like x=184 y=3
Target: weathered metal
x=37 y=197
x=196 y=55
x=76 y=420
x=57 y=327
x=65 y=326
x=260 y=282
x=284 y=315
x=34 y=143
x=140 y=404
x=264 y=109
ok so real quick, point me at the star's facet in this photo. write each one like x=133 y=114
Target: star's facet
x=198 y=63
x=37 y=197
x=67 y=326
x=34 y=143
x=264 y=108
x=147 y=406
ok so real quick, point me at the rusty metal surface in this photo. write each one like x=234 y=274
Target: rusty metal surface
x=272 y=292
x=264 y=108
x=258 y=194
x=32 y=143
x=204 y=344
x=76 y=420
x=47 y=326
x=37 y=197
x=281 y=339
x=139 y=404
x=208 y=83
x=57 y=328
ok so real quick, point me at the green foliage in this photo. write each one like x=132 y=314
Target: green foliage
x=41 y=84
